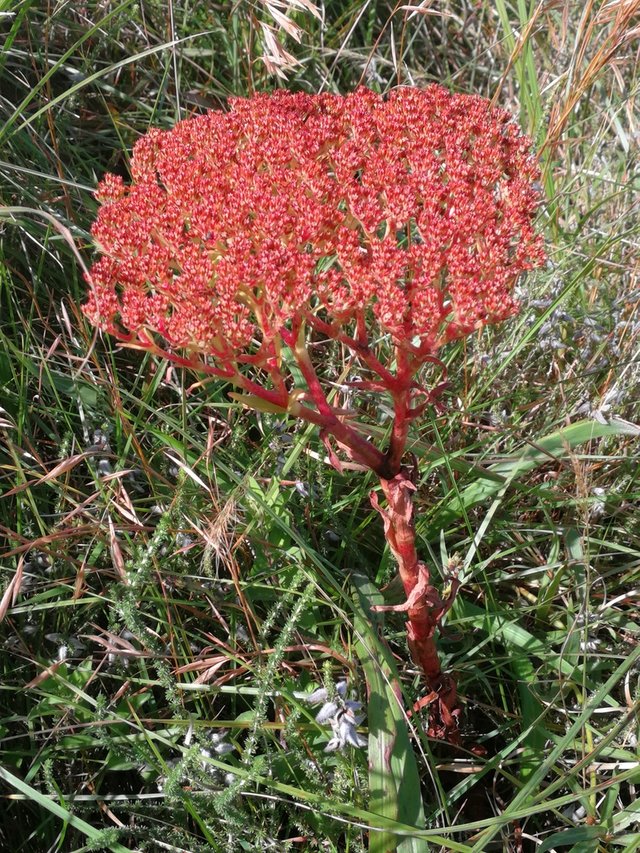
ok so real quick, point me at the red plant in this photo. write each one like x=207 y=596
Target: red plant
x=389 y=225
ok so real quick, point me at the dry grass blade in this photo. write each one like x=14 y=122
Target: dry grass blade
x=218 y=534
x=606 y=33
x=424 y=8
x=61 y=468
x=115 y=645
x=12 y=591
x=116 y=554
x=5 y=421
x=277 y=60
x=286 y=24
x=288 y=6
x=46 y=673
x=191 y=474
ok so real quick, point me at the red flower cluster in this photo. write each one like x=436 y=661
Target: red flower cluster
x=415 y=209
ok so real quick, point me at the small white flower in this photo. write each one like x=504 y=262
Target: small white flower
x=598 y=507
x=589 y=645
x=344 y=731
x=216 y=737
x=104 y=468
x=327 y=712
x=302 y=489
x=340 y=713
x=321 y=694
x=219 y=745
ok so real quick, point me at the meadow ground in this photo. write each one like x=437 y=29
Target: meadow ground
x=174 y=569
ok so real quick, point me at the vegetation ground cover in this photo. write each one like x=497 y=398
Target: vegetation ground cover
x=176 y=572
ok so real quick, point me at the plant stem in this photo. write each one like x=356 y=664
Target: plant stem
x=424 y=606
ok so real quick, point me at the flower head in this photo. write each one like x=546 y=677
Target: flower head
x=409 y=215
x=340 y=713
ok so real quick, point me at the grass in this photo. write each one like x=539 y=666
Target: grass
x=174 y=568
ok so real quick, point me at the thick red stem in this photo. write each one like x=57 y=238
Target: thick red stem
x=424 y=606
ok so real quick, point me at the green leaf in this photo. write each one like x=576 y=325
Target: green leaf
x=568 y=837
x=252 y=401
x=6 y=374
x=534 y=785
x=394 y=783
x=501 y=625
x=556 y=445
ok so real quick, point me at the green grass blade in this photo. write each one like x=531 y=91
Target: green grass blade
x=537 y=777
x=553 y=446
x=394 y=783
x=58 y=810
